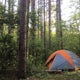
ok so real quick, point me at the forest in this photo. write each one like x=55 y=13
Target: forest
x=30 y=31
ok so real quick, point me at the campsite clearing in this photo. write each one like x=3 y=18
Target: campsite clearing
x=75 y=75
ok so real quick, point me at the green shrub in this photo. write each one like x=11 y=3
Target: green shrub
x=8 y=52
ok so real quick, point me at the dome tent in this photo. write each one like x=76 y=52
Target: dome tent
x=63 y=59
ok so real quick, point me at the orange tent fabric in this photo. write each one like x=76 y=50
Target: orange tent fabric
x=64 y=57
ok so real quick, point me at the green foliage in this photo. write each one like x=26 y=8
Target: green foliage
x=38 y=44
x=32 y=16
x=71 y=41
x=38 y=50
x=8 y=52
x=36 y=57
x=57 y=76
x=2 y=8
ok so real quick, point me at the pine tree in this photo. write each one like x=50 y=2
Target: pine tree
x=49 y=4
x=22 y=40
x=59 y=24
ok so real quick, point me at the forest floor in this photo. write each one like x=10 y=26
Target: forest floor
x=75 y=75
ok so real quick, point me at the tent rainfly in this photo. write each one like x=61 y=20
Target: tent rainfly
x=62 y=60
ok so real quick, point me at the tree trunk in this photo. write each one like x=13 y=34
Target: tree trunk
x=12 y=7
x=33 y=29
x=59 y=25
x=41 y=19
x=22 y=40
x=33 y=24
x=44 y=34
x=49 y=24
x=38 y=18
x=27 y=24
x=79 y=27
x=5 y=6
x=9 y=12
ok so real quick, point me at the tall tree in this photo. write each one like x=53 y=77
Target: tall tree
x=10 y=15
x=2 y=7
x=38 y=16
x=49 y=4
x=33 y=20
x=41 y=19
x=9 y=12
x=12 y=6
x=79 y=25
x=5 y=6
x=27 y=25
x=44 y=33
x=22 y=40
x=59 y=25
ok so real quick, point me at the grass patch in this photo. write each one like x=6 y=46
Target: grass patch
x=75 y=75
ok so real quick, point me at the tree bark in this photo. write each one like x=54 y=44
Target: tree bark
x=44 y=34
x=22 y=40
x=33 y=24
x=49 y=23
x=9 y=26
x=38 y=18
x=59 y=25
x=5 y=6
x=41 y=19
x=27 y=25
